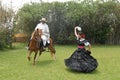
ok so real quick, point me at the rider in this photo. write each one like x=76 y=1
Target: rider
x=44 y=31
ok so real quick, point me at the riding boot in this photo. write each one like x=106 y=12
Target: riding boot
x=47 y=44
x=42 y=48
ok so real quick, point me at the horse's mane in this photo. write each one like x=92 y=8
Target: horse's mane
x=36 y=33
x=34 y=41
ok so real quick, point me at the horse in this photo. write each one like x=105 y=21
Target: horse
x=34 y=46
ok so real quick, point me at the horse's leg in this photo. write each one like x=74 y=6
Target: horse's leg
x=29 y=54
x=35 y=57
x=52 y=51
x=40 y=52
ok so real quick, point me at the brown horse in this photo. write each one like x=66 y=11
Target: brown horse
x=34 y=46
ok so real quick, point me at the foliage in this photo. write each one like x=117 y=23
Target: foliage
x=98 y=19
x=28 y=16
x=2 y=39
x=5 y=16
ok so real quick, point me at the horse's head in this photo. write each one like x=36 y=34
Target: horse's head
x=37 y=35
x=35 y=40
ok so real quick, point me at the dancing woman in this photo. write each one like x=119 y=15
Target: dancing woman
x=81 y=60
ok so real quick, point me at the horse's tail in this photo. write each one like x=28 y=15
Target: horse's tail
x=51 y=42
x=51 y=47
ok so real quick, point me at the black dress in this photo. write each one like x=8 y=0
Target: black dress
x=81 y=60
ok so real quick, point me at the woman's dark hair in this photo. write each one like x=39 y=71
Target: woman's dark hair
x=81 y=34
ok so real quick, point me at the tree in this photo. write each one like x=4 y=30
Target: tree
x=5 y=17
x=100 y=20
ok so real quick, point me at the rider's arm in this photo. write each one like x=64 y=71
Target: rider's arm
x=40 y=31
x=46 y=31
x=37 y=27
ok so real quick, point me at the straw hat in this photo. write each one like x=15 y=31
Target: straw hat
x=43 y=19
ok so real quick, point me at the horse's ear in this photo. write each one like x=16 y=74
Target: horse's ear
x=37 y=29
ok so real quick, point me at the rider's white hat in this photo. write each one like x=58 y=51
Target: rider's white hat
x=43 y=19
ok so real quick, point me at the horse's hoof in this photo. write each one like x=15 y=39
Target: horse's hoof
x=54 y=58
x=28 y=58
x=34 y=63
x=43 y=50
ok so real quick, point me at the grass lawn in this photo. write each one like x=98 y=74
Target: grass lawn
x=15 y=66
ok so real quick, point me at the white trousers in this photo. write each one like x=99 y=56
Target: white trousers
x=45 y=39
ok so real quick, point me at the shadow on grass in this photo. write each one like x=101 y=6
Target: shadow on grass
x=78 y=72
x=44 y=62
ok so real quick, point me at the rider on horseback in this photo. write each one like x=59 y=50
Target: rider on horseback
x=40 y=39
x=45 y=34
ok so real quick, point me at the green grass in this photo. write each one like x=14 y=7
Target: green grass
x=15 y=66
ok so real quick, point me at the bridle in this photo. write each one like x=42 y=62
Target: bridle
x=37 y=36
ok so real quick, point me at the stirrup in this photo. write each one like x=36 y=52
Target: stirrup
x=43 y=49
x=47 y=44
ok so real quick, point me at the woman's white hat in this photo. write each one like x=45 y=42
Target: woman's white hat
x=79 y=28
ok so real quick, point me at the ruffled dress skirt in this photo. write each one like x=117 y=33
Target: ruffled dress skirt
x=82 y=61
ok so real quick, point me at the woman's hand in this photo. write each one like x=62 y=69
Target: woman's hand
x=78 y=28
x=88 y=51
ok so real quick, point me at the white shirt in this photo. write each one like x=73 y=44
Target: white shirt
x=44 y=28
x=86 y=43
